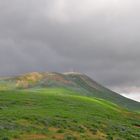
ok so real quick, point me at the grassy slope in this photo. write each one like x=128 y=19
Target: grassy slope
x=79 y=83
x=63 y=114
x=93 y=89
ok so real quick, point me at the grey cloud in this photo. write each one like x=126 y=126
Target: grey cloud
x=99 y=38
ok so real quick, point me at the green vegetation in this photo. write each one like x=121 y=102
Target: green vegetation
x=79 y=83
x=47 y=114
x=53 y=106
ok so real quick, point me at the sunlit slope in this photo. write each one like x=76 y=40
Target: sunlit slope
x=77 y=82
x=61 y=114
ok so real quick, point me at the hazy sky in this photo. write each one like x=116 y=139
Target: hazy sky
x=98 y=37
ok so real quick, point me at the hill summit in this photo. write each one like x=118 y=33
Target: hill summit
x=78 y=82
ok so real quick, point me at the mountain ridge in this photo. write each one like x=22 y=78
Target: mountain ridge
x=75 y=81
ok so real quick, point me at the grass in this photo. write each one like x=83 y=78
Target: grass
x=61 y=114
x=80 y=84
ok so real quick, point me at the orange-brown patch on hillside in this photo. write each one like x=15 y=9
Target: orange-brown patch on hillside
x=27 y=79
x=97 y=135
x=136 y=125
x=58 y=137
x=33 y=137
x=22 y=83
x=58 y=78
x=54 y=129
x=27 y=123
x=34 y=76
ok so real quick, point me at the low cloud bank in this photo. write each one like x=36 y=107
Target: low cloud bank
x=133 y=96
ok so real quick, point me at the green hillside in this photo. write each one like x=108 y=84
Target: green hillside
x=79 y=83
x=62 y=114
x=70 y=106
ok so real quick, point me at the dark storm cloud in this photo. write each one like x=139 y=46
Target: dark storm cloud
x=96 y=37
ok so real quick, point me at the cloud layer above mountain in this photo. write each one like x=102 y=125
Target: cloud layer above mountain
x=98 y=37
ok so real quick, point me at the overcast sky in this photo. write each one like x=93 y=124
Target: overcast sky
x=98 y=37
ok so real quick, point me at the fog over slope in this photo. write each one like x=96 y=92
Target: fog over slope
x=134 y=96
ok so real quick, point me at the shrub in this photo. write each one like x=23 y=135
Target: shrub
x=109 y=137
x=93 y=130
x=60 y=131
x=70 y=137
x=5 y=138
